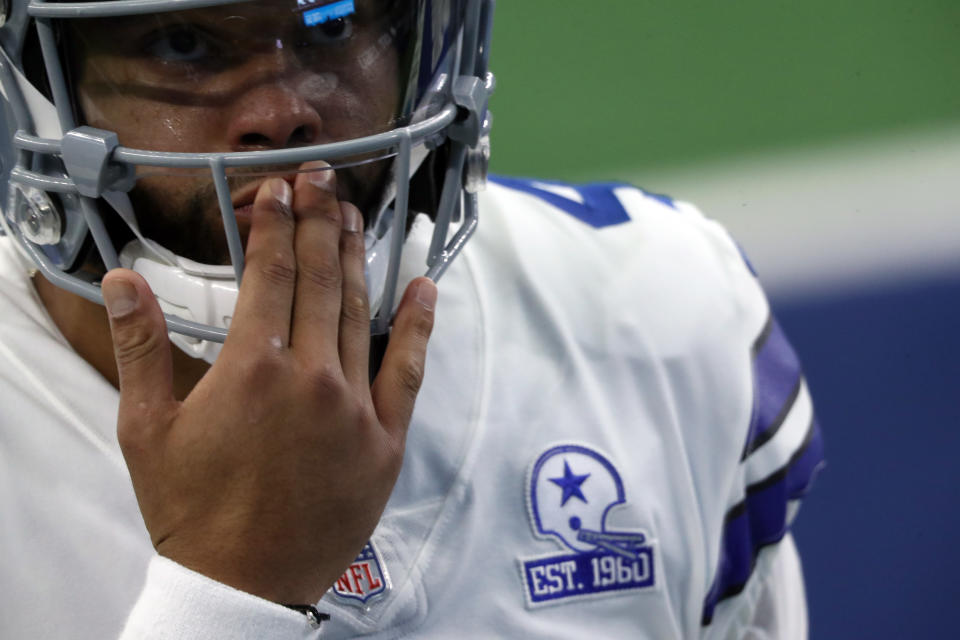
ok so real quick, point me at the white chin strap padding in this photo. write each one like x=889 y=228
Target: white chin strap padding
x=199 y=292
x=375 y=269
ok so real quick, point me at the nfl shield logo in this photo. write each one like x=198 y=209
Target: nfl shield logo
x=365 y=579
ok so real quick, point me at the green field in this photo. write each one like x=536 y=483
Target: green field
x=588 y=89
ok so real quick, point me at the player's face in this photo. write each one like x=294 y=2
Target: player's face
x=246 y=77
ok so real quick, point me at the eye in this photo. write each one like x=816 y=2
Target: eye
x=328 y=32
x=337 y=29
x=180 y=44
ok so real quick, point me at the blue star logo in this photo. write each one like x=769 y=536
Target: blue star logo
x=570 y=483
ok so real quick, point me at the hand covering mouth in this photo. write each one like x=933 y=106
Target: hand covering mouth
x=242 y=201
x=243 y=198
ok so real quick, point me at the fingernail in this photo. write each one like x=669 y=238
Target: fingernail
x=427 y=294
x=322 y=176
x=352 y=220
x=120 y=297
x=281 y=191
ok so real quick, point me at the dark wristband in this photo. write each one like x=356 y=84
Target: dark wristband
x=314 y=617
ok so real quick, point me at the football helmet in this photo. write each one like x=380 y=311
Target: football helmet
x=572 y=491
x=136 y=132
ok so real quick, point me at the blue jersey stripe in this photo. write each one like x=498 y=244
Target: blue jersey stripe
x=746 y=260
x=776 y=383
x=760 y=519
x=600 y=207
x=764 y=435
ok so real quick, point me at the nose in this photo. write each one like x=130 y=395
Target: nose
x=273 y=115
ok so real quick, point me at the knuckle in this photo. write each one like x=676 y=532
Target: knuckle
x=356 y=307
x=277 y=213
x=262 y=367
x=326 y=380
x=409 y=375
x=352 y=245
x=324 y=274
x=137 y=424
x=329 y=210
x=421 y=324
x=279 y=272
x=137 y=341
x=129 y=438
x=357 y=411
x=332 y=215
x=324 y=208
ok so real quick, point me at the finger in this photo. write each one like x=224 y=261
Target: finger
x=355 y=310
x=396 y=386
x=141 y=348
x=269 y=276
x=316 y=307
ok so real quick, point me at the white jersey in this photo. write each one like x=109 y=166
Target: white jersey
x=610 y=441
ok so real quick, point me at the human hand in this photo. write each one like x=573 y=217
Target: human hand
x=272 y=474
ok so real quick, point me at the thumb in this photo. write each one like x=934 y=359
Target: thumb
x=140 y=345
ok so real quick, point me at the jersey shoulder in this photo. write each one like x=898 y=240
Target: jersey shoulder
x=652 y=254
x=651 y=282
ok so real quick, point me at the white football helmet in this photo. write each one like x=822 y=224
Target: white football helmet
x=127 y=122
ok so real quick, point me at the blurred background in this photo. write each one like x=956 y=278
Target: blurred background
x=826 y=136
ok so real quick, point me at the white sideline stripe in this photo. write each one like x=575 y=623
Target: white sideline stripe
x=870 y=212
x=776 y=452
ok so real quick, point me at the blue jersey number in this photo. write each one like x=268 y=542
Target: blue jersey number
x=600 y=207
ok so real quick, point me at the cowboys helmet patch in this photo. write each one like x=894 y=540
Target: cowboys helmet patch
x=571 y=489
x=365 y=579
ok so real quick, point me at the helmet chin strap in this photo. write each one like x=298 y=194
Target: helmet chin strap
x=199 y=292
